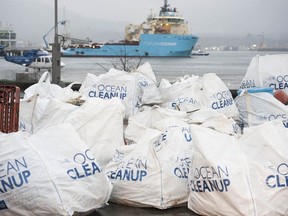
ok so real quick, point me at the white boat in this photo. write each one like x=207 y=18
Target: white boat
x=200 y=53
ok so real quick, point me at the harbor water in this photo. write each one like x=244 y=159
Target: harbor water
x=230 y=66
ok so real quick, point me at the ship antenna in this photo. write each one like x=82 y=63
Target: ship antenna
x=165 y=7
x=165 y=3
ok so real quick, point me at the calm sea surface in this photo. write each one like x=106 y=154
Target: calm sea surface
x=230 y=66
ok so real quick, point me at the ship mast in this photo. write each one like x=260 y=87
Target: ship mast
x=166 y=4
x=165 y=7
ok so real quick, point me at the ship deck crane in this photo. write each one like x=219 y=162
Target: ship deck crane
x=44 y=37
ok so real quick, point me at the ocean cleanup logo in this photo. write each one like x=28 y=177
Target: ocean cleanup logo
x=281 y=82
x=187 y=134
x=182 y=170
x=134 y=169
x=209 y=179
x=143 y=81
x=224 y=99
x=182 y=162
x=185 y=100
x=272 y=117
x=279 y=180
x=13 y=174
x=247 y=84
x=109 y=91
x=163 y=138
x=162 y=43
x=86 y=166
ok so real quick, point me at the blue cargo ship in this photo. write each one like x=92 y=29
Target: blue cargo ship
x=162 y=35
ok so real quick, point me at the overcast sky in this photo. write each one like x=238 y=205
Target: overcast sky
x=204 y=16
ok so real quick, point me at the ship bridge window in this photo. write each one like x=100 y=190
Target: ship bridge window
x=175 y=20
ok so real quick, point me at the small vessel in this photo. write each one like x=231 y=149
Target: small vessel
x=162 y=35
x=200 y=53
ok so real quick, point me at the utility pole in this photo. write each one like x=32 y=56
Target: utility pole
x=56 y=54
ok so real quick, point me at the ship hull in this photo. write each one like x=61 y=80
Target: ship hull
x=150 y=45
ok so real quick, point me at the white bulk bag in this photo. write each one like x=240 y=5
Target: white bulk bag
x=44 y=88
x=245 y=176
x=148 y=82
x=67 y=94
x=153 y=172
x=134 y=174
x=218 y=181
x=258 y=107
x=55 y=113
x=25 y=186
x=164 y=83
x=217 y=96
x=174 y=155
x=99 y=123
x=27 y=116
x=114 y=83
x=266 y=151
x=252 y=76
x=211 y=118
x=73 y=168
x=35 y=100
x=267 y=71
x=185 y=95
x=149 y=118
x=56 y=174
